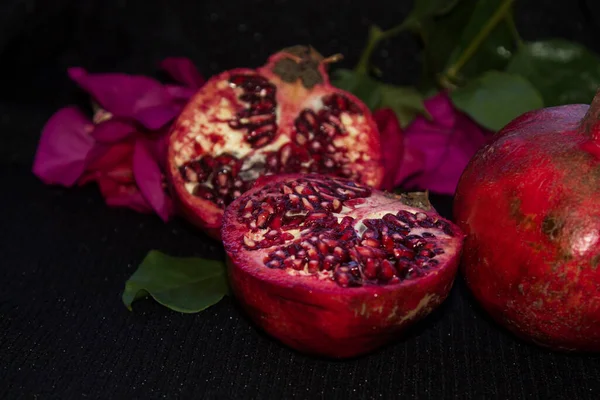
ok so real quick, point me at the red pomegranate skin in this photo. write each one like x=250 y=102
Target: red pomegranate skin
x=321 y=318
x=205 y=117
x=529 y=205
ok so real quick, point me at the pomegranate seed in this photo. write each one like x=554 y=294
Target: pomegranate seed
x=427 y=235
x=421 y=260
x=370 y=243
x=313 y=266
x=388 y=243
x=426 y=253
x=273 y=264
x=402 y=251
x=386 y=270
x=364 y=251
x=414 y=241
x=329 y=262
x=371 y=267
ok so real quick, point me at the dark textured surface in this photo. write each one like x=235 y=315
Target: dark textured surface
x=64 y=332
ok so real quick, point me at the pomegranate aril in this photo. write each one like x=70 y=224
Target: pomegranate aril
x=427 y=235
x=371 y=268
x=426 y=253
x=402 y=251
x=364 y=251
x=263 y=219
x=414 y=241
x=203 y=192
x=273 y=264
x=370 y=242
x=386 y=270
x=421 y=260
x=343 y=278
x=438 y=250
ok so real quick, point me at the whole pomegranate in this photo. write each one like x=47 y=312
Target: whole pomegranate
x=334 y=268
x=529 y=203
x=280 y=118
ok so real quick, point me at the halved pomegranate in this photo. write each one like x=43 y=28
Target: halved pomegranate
x=334 y=268
x=283 y=117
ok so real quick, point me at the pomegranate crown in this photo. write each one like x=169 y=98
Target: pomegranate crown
x=302 y=62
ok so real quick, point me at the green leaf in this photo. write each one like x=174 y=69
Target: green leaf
x=187 y=285
x=564 y=72
x=406 y=102
x=486 y=42
x=440 y=37
x=361 y=85
x=496 y=98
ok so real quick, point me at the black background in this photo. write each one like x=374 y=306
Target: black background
x=65 y=256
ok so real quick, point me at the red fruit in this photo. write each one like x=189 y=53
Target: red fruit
x=284 y=117
x=319 y=272
x=529 y=204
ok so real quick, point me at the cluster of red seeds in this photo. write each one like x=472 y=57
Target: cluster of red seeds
x=311 y=150
x=259 y=117
x=386 y=252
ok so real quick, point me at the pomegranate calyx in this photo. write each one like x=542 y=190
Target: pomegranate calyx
x=304 y=63
x=590 y=124
x=416 y=199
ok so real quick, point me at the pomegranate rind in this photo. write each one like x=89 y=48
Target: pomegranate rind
x=362 y=141
x=528 y=203
x=319 y=317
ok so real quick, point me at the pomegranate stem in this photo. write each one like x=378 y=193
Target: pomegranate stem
x=499 y=15
x=590 y=124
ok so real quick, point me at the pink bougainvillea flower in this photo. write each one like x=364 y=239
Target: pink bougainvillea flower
x=123 y=147
x=436 y=151
x=139 y=98
x=64 y=147
x=183 y=70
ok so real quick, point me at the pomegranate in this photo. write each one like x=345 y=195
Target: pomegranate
x=529 y=205
x=335 y=268
x=283 y=117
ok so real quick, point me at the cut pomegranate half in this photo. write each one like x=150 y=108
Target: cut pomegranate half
x=284 y=117
x=335 y=268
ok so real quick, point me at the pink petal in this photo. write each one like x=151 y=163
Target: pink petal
x=149 y=179
x=155 y=118
x=392 y=148
x=446 y=144
x=180 y=93
x=63 y=148
x=112 y=130
x=127 y=96
x=183 y=71
x=119 y=195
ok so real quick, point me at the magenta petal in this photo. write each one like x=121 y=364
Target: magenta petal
x=63 y=148
x=158 y=147
x=156 y=117
x=112 y=130
x=445 y=146
x=149 y=179
x=183 y=71
x=126 y=95
x=180 y=92
x=392 y=148
x=129 y=199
